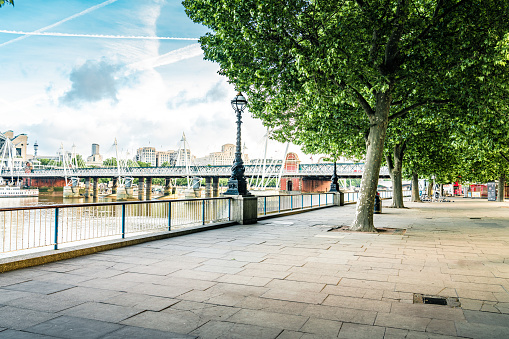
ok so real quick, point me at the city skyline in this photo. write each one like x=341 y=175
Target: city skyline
x=82 y=72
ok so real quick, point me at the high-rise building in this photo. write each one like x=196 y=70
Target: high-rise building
x=95 y=159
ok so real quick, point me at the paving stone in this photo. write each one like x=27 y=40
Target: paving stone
x=74 y=328
x=244 y=280
x=340 y=314
x=286 y=334
x=181 y=322
x=140 y=332
x=298 y=286
x=141 y=301
x=204 y=310
x=358 y=303
x=87 y=294
x=401 y=321
x=13 y=334
x=428 y=311
x=396 y=333
x=481 y=331
x=441 y=326
x=357 y=331
x=41 y=287
x=298 y=296
x=20 y=318
x=221 y=329
x=45 y=303
x=197 y=275
x=268 y=319
x=7 y=295
x=102 y=312
x=322 y=327
x=272 y=305
x=487 y=318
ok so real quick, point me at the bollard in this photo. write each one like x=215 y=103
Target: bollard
x=378 y=204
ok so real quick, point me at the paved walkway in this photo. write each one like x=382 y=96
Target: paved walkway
x=281 y=278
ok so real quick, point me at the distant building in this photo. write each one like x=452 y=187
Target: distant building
x=20 y=143
x=225 y=157
x=147 y=154
x=169 y=157
x=95 y=159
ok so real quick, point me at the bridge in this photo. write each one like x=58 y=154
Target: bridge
x=344 y=170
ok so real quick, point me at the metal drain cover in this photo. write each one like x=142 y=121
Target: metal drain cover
x=436 y=300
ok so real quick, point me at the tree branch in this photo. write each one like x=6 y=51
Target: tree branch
x=503 y=156
x=405 y=110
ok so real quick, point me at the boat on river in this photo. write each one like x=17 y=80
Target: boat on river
x=16 y=191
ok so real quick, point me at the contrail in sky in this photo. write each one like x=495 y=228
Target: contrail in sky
x=170 y=57
x=88 y=10
x=94 y=35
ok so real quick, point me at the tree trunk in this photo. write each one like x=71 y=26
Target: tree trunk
x=374 y=153
x=441 y=190
x=415 y=188
x=396 y=172
x=430 y=188
x=501 y=188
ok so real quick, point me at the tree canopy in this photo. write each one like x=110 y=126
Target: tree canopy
x=326 y=73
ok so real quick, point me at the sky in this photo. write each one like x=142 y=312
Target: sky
x=78 y=72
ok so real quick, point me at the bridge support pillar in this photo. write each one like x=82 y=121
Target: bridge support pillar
x=215 y=187
x=167 y=186
x=95 y=191
x=87 y=187
x=141 y=189
x=114 y=186
x=149 y=188
x=208 y=187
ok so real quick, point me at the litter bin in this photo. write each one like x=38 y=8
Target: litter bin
x=378 y=204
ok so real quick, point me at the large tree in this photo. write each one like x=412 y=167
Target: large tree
x=3 y=2
x=381 y=59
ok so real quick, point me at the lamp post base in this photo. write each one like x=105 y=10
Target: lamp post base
x=236 y=187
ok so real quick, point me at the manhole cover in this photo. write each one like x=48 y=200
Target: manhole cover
x=436 y=300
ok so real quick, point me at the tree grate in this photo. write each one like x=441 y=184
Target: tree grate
x=436 y=300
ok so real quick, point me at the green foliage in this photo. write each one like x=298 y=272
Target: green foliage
x=3 y=2
x=166 y=164
x=110 y=162
x=330 y=75
x=143 y=164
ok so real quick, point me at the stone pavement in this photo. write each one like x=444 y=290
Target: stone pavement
x=285 y=277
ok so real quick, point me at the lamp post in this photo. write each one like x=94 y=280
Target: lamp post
x=334 y=180
x=237 y=184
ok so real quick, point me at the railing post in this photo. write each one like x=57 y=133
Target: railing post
x=279 y=207
x=319 y=203
x=326 y=198
x=123 y=221
x=311 y=201
x=229 y=209
x=169 y=216
x=264 y=205
x=302 y=202
x=291 y=202
x=203 y=212
x=56 y=229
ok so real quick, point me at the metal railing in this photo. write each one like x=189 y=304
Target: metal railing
x=354 y=196
x=37 y=227
x=282 y=203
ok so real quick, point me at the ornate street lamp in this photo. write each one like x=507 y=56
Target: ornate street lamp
x=237 y=184
x=334 y=180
